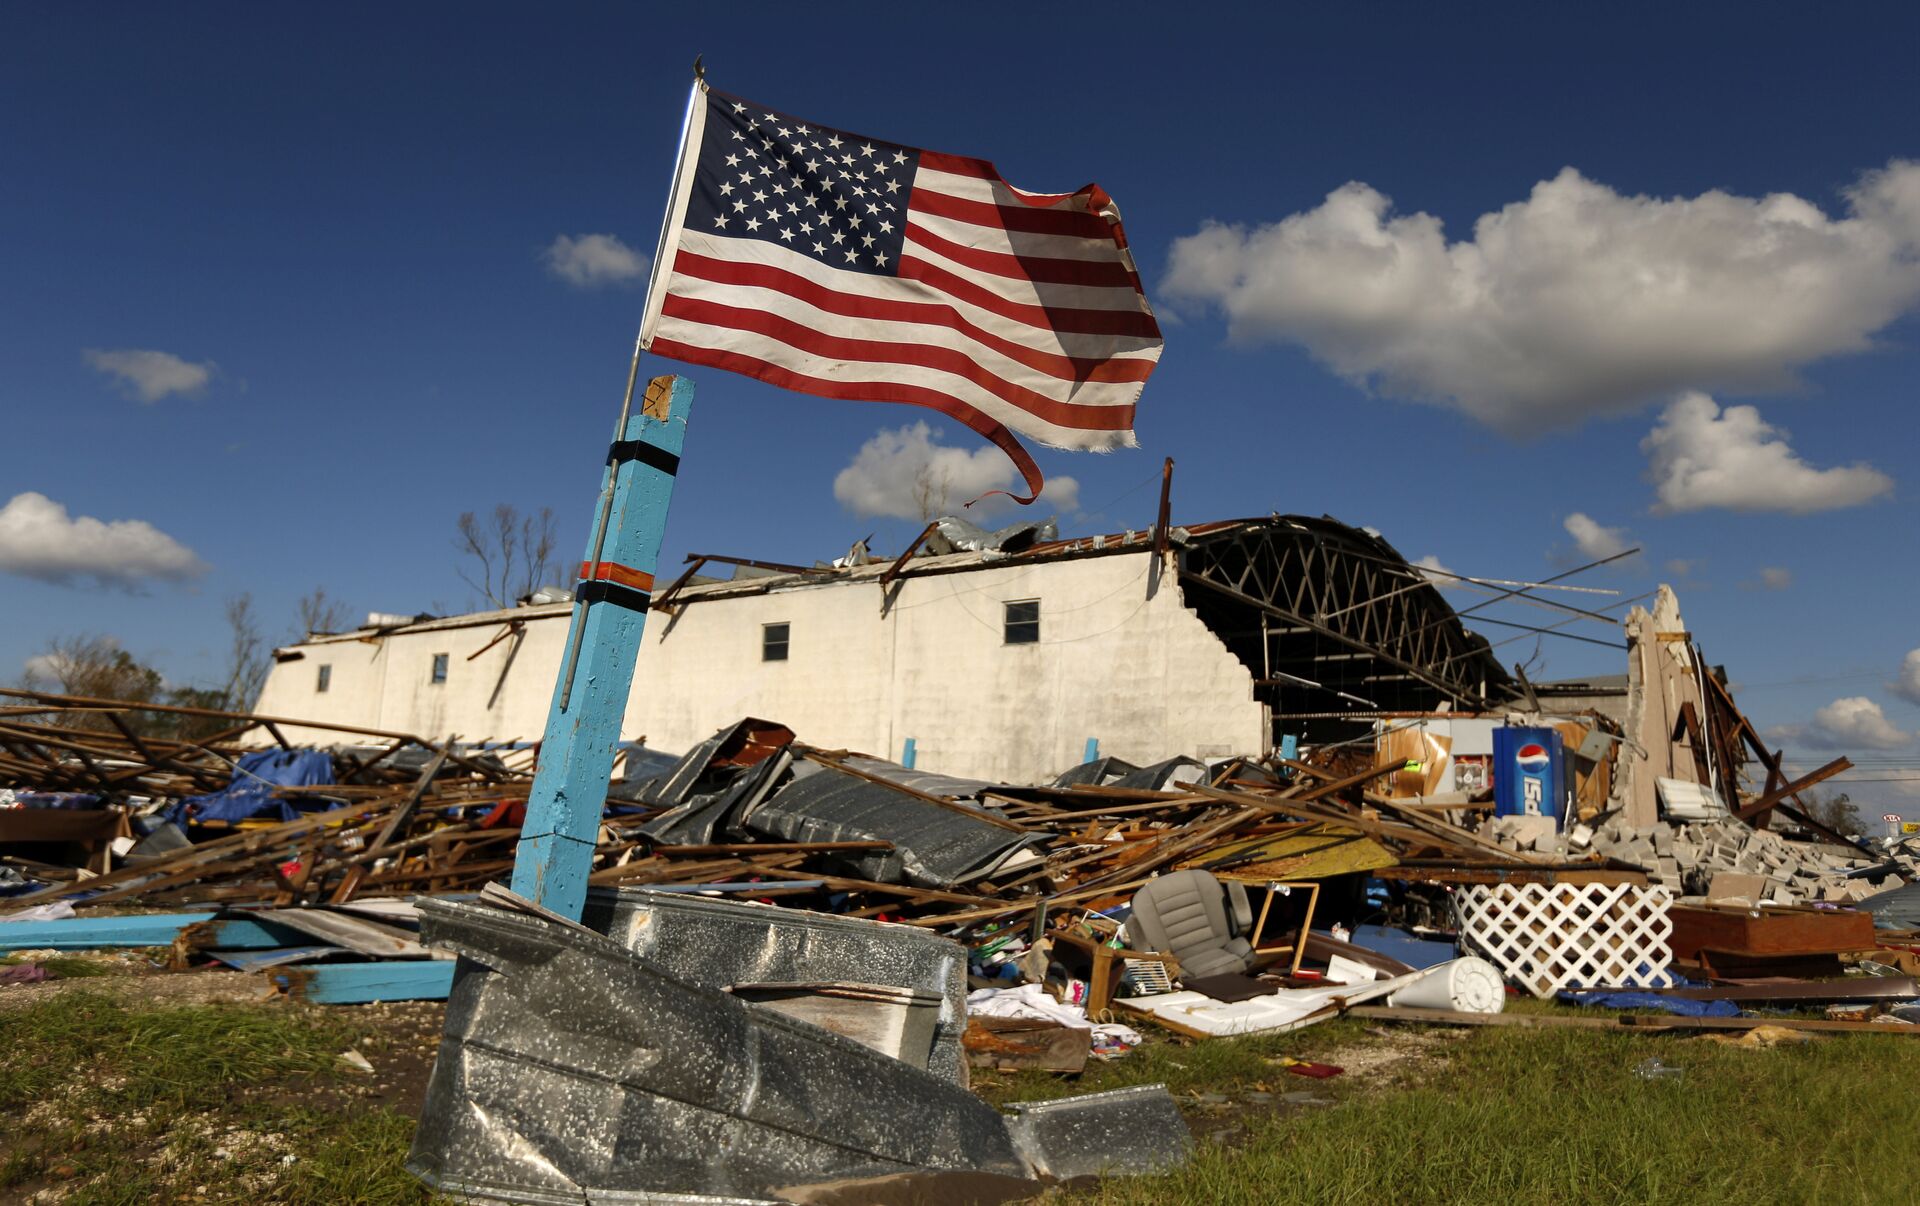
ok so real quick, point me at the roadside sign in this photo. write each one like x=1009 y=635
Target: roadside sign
x=1910 y=827
x=1890 y=816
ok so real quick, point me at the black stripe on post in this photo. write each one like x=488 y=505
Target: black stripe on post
x=636 y=601
x=651 y=455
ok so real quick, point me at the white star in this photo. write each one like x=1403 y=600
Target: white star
x=806 y=228
x=783 y=132
x=726 y=190
x=834 y=141
x=893 y=186
x=852 y=256
x=859 y=190
x=839 y=202
x=767 y=143
x=758 y=195
x=738 y=107
x=880 y=258
x=838 y=237
x=792 y=208
x=765 y=170
x=779 y=189
x=819 y=249
x=753 y=224
x=847 y=159
x=811 y=199
x=746 y=177
x=786 y=234
x=859 y=175
x=739 y=207
x=853 y=220
x=813 y=165
x=886 y=228
x=899 y=156
x=802 y=131
x=720 y=220
x=866 y=240
x=752 y=154
x=872 y=208
x=867 y=150
x=733 y=161
x=846 y=175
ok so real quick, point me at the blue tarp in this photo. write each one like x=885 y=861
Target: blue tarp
x=1628 y=999
x=251 y=792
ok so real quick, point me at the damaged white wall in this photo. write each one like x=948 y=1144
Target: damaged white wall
x=1116 y=661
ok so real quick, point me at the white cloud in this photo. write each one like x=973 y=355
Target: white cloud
x=1595 y=542
x=38 y=539
x=1438 y=573
x=149 y=375
x=902 y=470
x=1853 y=723
x=1699 y=456
x=1776 y=577
x=1907 y=686
x=1576 y=301
x=1679 y=567
x=594 y=259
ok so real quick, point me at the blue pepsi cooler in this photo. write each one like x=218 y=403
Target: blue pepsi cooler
x=1529 y=774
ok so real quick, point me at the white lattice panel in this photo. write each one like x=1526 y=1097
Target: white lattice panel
x=1546 y=937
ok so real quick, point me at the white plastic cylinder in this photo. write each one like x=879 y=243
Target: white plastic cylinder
x=1465 y=985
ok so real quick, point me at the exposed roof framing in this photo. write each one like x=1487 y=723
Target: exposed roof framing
x=1343 y=618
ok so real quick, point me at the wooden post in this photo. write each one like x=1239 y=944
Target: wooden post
x=609 y=617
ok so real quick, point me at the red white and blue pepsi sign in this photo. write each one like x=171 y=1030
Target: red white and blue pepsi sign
x=1529 y=773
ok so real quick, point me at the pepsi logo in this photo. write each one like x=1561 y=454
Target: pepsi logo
x=1533 y=758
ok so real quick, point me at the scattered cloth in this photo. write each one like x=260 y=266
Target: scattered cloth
x=23 y=973
x=250 y=794
x=1110 y=1040
x=1763 y=1036
x=58 y=910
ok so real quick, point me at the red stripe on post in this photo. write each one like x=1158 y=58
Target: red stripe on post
x=614 y=572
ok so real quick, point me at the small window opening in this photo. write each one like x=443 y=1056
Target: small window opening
x=773 y=642
x=439 y=667
x=1023 y=622
x=325 y=679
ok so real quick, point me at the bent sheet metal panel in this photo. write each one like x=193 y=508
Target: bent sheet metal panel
x=576 y=1071
x=573 y=1065
x=716 y=943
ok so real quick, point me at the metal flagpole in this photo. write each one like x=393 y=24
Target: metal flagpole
x=611 y=598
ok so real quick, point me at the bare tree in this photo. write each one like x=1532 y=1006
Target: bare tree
x=319 y=614
x=508 y=555
x=246 y=656
x=930 y=490
x=1835 y=811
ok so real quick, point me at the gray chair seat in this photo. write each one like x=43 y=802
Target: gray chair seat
x=1195 y=918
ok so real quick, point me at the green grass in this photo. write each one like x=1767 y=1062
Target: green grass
x=116 y=1104
x=1558 y=1116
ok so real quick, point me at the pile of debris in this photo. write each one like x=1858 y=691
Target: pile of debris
x=1729 y=859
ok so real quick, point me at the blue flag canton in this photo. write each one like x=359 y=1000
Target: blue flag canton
x=835 y=197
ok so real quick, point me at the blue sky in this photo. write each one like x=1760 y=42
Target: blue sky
x=337 y=224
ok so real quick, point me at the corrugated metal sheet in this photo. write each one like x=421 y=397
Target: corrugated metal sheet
x=933 y=846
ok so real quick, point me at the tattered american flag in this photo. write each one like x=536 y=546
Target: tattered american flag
x=836 y=264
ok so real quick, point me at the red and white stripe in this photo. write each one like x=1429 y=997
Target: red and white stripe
x=1010 y=310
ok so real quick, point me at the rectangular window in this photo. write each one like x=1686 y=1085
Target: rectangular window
x=439 y=667
x=325 y=681
x=1023 y=622
x=773 y=642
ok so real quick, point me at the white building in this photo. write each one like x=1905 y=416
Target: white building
x=997 y=665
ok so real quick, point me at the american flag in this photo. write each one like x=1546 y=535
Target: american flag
x=836 y=264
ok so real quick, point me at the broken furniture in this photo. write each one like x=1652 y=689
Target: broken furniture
x=1197 y=919
x=1731 y=940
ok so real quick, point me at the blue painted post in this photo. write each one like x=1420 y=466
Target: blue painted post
x=609 y=616
x=1093 y=749
x=906 y=754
